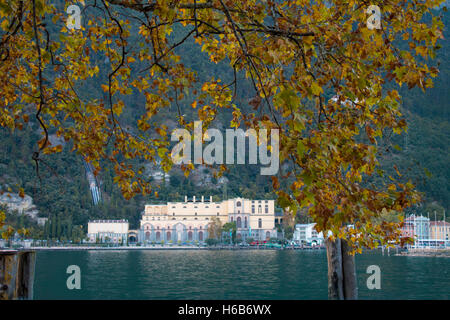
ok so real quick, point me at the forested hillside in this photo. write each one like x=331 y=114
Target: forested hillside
x=61 y=191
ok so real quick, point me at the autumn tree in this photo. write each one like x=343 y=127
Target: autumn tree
x=320 y=75
x=215 y=228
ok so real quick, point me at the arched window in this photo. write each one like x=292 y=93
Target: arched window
x=260 y=223
x=147 y=235
x=168 y=235
x=238 y=204
x=200 y=235
x=190 y=235
x=245 y=222
x=158 y=236
x=267 y=235
x=231 y=219
x=238 y=222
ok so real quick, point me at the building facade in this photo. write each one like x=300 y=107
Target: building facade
x=188 y=221
x=306 y=233
x=417 y=227
x=440 y=230
x=109 y=231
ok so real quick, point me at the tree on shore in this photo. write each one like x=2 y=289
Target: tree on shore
x=320 y=74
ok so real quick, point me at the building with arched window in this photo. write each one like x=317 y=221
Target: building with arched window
x=187 y=221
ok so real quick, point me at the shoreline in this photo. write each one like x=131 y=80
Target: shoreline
x=438 y=253
x=93 y=248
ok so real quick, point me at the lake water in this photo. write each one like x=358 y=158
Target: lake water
x=244 y=274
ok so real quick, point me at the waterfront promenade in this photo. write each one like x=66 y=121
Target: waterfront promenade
x=172 y=247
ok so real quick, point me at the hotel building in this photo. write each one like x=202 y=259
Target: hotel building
x=188 y=221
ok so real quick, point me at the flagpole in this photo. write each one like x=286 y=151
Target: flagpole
x=435 y=234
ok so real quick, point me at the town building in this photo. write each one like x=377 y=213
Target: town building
x=109 y=231
x=188 y=221
x=306 y=233
x=417 y=227
x=440 y=231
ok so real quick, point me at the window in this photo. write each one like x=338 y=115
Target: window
x=260 y=223
x=266 y=210
x=238 y=204
x=253 y=209
x=259 y=209
x=217 y=214
x=238 y=222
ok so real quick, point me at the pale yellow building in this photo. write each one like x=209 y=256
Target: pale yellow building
x=439 y=230
x=188 y=220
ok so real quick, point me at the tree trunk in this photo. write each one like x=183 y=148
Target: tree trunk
x=342 y=284
x=349 y=273
x=16 y=274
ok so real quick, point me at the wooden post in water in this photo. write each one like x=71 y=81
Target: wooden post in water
x=16 y=274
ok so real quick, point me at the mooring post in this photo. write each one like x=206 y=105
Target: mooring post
x=16 y=274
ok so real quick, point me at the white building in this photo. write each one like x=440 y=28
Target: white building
x=305 y=233
x=115 y=231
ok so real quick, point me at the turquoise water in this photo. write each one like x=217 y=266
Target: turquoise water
x=245 y=274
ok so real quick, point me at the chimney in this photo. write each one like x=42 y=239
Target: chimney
x=203 y=199
x=185 y=198
x=193 y=199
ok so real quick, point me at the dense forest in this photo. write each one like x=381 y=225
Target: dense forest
x=60 y=189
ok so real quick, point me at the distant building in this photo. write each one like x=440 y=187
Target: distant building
x=439 y=230
x=306 y=233
x=110 y=231
x=188 y=221
x=417 y=227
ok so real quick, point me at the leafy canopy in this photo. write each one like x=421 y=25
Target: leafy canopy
x=319 y=75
